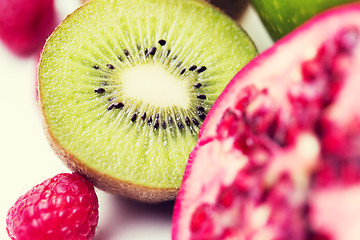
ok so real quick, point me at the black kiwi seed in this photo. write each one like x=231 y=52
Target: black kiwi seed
x=195 y=121
x=120 y=58
x=156 y=123
x=133 y=117
x=201 y=69
x=96 y=67
x=182 y=71
x=143 y=117
x=197 y=85
x=163 y=124
x=146 y=52
x=180 y=125
x=193 y=68
x=149 y=120
x=119 y=105
x=187 y=121
x=99 y=90
x=168 y=52
x=126 y=52
x=152 y=51
x=201 y=96
x=201 y=115
x=157 y=115
x=170 y=120
x=110 y=66
x=200 y=108
x=162 y=42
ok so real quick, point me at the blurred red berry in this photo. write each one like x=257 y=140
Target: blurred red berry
x=25 y=24
x=64 y=207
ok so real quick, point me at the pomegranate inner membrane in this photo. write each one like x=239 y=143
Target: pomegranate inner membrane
x=270 y=132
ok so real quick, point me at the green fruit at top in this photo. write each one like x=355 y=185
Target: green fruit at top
x=282 y=16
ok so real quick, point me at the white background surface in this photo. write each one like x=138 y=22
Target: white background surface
x=27 y=159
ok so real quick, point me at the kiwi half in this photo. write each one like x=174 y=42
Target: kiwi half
x=125 y=85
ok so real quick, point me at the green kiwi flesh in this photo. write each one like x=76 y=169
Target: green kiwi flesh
x=125 y=85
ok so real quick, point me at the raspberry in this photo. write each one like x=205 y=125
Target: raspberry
x=64 y=207
x=25 y=24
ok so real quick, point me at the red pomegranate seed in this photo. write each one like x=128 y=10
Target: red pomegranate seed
x=201 y=219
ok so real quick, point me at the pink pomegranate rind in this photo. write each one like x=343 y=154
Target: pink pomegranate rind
x=278 y=155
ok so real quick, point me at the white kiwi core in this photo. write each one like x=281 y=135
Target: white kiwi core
x=152 y=84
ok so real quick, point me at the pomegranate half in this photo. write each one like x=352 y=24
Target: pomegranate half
x=278 y=155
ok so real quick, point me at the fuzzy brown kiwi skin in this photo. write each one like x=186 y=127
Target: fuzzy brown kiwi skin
x=99 y=179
